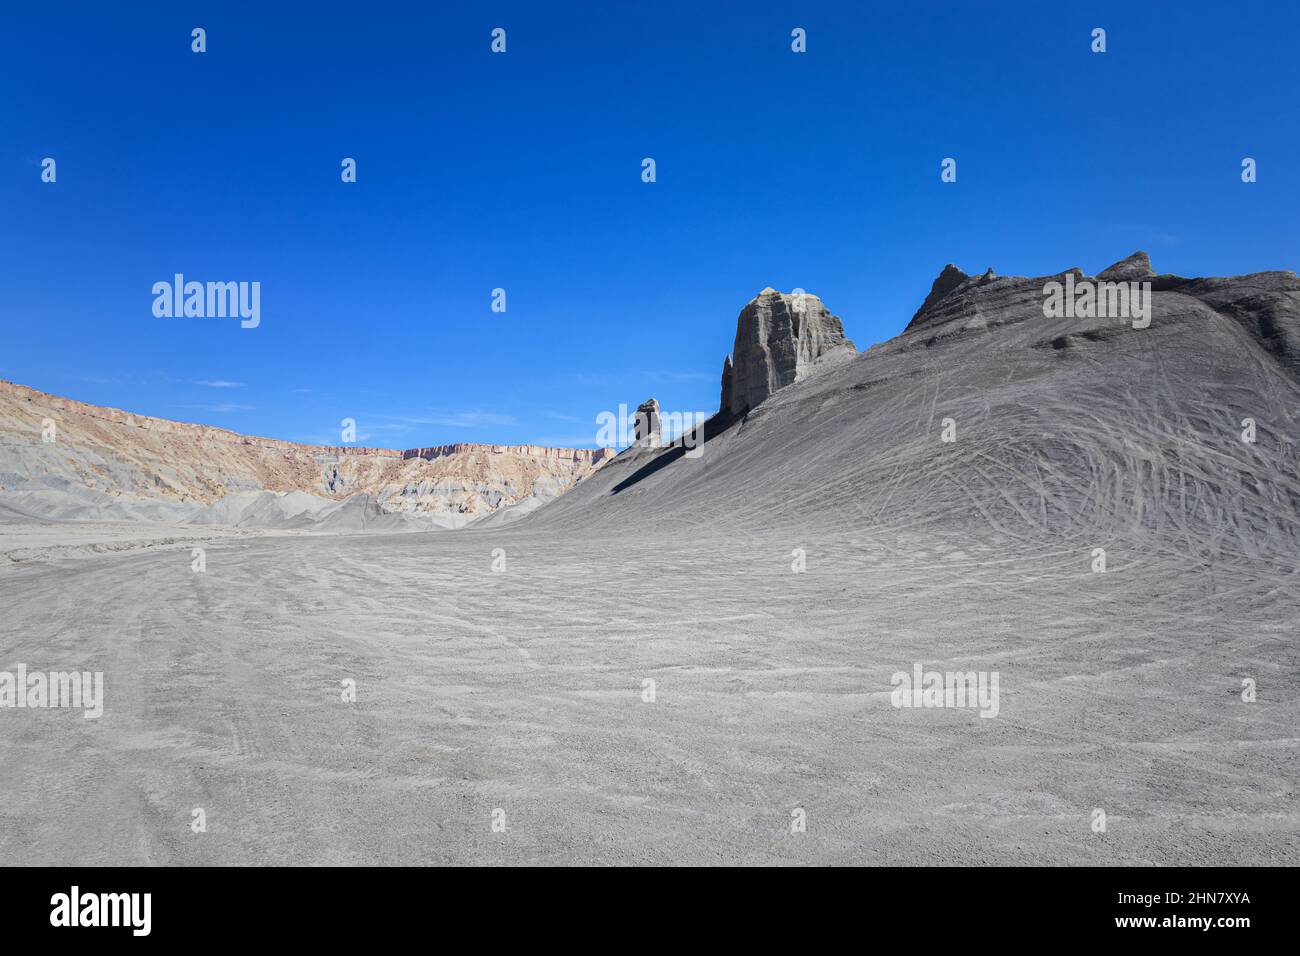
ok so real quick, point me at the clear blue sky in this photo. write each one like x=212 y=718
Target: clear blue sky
x=523 y=170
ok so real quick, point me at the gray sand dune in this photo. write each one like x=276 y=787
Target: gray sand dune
x=262 y=509
x=69 y=503
x=299 y=510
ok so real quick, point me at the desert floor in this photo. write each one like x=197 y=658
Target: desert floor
x=521 y=690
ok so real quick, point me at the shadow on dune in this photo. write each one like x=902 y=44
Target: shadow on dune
x=711 y=429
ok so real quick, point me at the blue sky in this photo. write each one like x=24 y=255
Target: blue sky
x=523 y=171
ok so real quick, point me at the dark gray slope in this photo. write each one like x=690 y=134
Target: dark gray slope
x=1066 y=428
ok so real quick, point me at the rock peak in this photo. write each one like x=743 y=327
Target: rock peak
x=1136 y=266
x=947 y=280
x=647 y=422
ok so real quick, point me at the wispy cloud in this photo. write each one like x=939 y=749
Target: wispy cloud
x=220 y=407
x=682 y=376
x=104 y=379
x=596 y=378
x=473 y=419
x=1147 y=233
x=219 y=383
x=565 y=441
x=467 y=418
x=634 y=378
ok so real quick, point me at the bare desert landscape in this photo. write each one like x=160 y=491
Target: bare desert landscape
x=676 y=658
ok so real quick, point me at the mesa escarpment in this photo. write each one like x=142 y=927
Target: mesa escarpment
x=592 y=456
x=137 y=458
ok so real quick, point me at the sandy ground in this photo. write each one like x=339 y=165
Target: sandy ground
x=521 y=690
x=52 y=540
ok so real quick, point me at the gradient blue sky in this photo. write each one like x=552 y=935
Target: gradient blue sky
x=523 y=171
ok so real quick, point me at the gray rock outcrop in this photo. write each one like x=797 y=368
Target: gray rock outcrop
x=647 y=422
x=948 y=280
x=778 y=339
x=1135 y=268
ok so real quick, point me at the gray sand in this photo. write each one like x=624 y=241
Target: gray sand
x=522 y=690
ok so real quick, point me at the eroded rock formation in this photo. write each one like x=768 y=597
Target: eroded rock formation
x=647 y=422
x=778 y=339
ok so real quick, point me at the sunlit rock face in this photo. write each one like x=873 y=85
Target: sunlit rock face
x=778 y=339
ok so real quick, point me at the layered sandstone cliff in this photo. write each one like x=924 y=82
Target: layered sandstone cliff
x=143 y=459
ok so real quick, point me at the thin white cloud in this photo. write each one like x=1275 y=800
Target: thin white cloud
x=219 y=383
x=682 y=376
x=565 y=441
x=473 y=419
x=219 y=407
x=467 y=418
x=631 y=379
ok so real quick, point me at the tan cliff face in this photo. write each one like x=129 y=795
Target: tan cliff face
x=135 y=456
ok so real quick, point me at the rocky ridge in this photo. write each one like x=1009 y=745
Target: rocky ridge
x=1263 y=304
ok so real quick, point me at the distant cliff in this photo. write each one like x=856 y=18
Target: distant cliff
x=135 y=457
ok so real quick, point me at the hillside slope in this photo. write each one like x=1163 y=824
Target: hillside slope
x=1080 y=429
